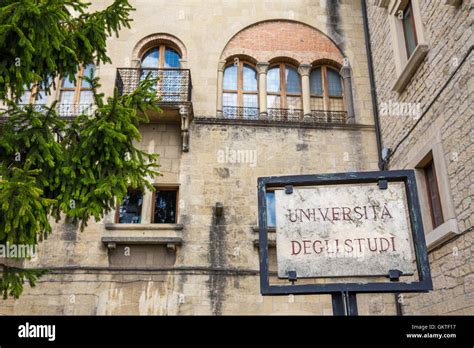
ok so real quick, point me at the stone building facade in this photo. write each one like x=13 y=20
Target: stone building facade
x=435 y=82
x=251 y=89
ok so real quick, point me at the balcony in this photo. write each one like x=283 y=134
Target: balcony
x=174 y=85
x=173 y=88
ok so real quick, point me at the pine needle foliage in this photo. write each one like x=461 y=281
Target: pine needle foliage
x=51 y=168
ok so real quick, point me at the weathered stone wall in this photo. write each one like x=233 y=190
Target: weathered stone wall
x=216 y=267
x=447 y=117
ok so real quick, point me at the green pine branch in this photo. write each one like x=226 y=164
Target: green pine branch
x=43 y=39
x=49 y=168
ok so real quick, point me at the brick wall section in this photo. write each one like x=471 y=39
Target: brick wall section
x=449 y=36
x=267 y=40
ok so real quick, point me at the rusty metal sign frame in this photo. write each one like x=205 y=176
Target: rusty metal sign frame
x=424 y=283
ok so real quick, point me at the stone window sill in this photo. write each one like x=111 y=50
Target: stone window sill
x=442 y=233
x=150 y=234
x=144 y=227
x=412 y=65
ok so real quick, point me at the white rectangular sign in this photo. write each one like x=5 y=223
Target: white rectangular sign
x=343 y=230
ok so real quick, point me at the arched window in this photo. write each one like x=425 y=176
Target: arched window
x=326 y=89
x=163 y=62
x=240 y=95
x=76 y=96
x=283 y=88
x=161 y=57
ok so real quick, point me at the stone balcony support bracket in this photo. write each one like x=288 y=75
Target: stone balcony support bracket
x=184 y=113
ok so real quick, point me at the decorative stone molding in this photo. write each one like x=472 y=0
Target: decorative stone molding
x=221 y=65
x=156 y=39
x=262 y=67
x=304 y=69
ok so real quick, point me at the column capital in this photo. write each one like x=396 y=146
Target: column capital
x=262 y=67
x=304 y=69
x=221 y=65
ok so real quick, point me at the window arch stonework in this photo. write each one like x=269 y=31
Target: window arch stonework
x=156 y=40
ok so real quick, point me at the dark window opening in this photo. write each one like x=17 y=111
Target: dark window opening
x=165 y=206
x=409 y=29
x=433 y=195
x=130 y=210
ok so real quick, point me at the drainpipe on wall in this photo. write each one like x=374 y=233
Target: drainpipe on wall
x=382 y=163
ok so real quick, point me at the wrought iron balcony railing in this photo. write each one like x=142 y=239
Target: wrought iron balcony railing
x=174 y=85
x=284 y=115
x=240 y=112
x=64 y=110
x=36 y=107
x=72 y=110
x=323 y=116
x=295 y=115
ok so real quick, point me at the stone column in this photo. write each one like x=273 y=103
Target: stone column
x=304 y=70
x=346 y=76
x=220 y=86
x=262 y=68
x=184 y=113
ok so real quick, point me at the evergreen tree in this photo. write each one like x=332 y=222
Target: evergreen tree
x=49 y=168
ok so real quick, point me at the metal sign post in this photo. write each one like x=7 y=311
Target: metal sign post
x=304 y=214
